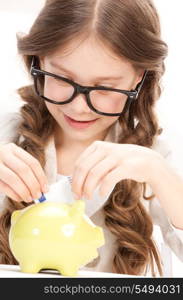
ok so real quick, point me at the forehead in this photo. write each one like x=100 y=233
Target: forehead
x=90 y=56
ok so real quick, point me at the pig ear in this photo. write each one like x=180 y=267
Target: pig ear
x=77 y=208
x=14 y=216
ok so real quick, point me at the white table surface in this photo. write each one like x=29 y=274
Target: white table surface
x=14 y=271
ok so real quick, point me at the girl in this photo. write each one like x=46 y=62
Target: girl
x=90 y=114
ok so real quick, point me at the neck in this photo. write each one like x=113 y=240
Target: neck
x=66 y=142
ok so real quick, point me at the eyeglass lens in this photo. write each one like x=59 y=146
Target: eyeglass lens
x=60 y=91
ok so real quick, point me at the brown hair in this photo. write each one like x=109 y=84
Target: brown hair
x=131 y=29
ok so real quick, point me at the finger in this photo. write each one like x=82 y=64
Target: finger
x=81 y=171
x=6 y=189
x=113 y=177
x=96 y=174
x=86 y=153
x=34 y=164
x=26 y=175
x=15 y=182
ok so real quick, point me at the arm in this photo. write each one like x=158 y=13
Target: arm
x=167 y=185
x=108 y=163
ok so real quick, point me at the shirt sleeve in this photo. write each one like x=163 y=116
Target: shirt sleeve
x=173 y=237
x=9 y=123
x=177 y=165
x=172 y=152
x=178 y=232
x=2 y=196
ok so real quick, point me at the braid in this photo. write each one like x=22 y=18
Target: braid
x=125 y=215
x=36 y=127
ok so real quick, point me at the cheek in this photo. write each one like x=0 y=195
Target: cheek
x=51 y=91
x=109 y=102
x=51 y=108
x=117 y=104
x=106 y=122
x=120 y=103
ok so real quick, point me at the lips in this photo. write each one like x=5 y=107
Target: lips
x=79 y=123
x=81 y=120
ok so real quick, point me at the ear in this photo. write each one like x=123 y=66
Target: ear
x=138 y=79
x=41 y=62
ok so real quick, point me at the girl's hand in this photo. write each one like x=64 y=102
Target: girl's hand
x=105 y=164
x=21 y=175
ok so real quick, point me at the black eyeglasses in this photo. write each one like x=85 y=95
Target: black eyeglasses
x=102 y=100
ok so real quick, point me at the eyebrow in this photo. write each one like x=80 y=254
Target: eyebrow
x=96 y=78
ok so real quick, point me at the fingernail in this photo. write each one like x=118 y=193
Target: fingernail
x=39 y=195
x=45 y=188
x=30 y=199
x=77 y=197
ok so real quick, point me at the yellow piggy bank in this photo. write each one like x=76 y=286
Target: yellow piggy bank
x=53 y=235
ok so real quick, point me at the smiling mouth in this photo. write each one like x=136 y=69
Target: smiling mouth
x=79 y=124
x=81 y=121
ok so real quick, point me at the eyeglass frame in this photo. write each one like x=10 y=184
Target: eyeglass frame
x=80 y=89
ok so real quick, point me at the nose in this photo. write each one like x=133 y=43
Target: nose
x=79 y=104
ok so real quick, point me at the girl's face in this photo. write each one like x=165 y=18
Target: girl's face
x=89 y=64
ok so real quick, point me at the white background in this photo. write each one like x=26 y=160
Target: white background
x=18 y=15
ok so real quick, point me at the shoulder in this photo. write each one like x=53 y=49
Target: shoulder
x=9 y=123
x=11 y=117
x=162 y=146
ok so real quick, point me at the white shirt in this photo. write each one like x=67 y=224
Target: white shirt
x=168 y=239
